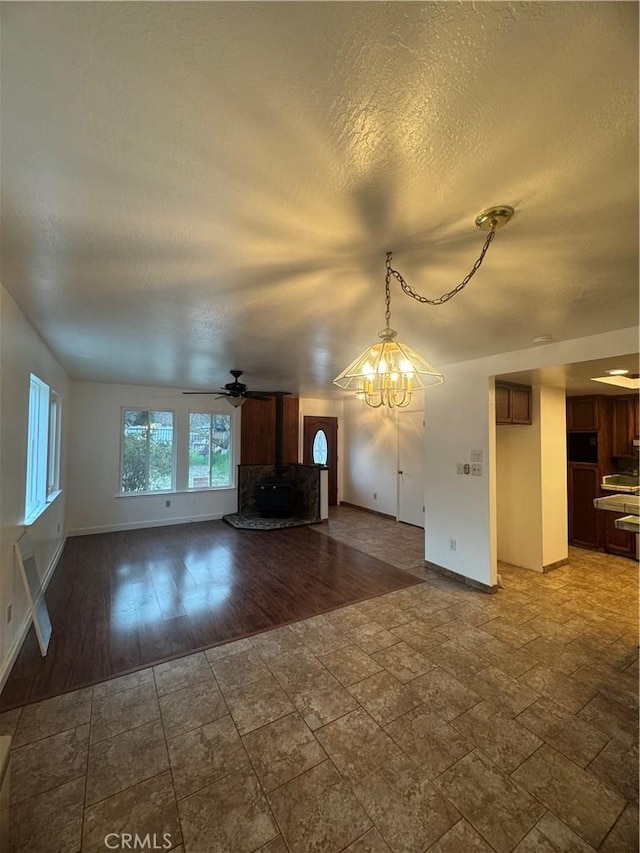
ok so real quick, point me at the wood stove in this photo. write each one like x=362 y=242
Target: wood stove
x=273 y=498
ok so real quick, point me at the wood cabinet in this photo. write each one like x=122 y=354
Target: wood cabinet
x=624 y=425
x=584 y=519
x=583 y=413
x=616 y=541
x=513 y=403
x=614 y=423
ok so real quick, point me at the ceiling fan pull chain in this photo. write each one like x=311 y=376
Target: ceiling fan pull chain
x=445 y=296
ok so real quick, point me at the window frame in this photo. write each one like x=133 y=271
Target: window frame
x=44 y=440
x=54 y=446
x=174 y=443
x=211 y=414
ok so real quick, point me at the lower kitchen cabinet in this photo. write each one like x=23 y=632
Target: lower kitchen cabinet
x=616 y=541
x=583 y=487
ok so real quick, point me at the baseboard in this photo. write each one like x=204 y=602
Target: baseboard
x=366 y=509
x=456 y=576
x=558 y=563
x=7 y=666
x=142 y=525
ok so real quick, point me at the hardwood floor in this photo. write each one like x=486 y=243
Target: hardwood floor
x=122 y=601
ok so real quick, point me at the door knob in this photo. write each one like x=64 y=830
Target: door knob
x=400 y=472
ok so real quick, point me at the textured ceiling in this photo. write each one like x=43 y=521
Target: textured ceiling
x=189 y=187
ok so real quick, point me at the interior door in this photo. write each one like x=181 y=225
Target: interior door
x=320 y=447
x=411 y=462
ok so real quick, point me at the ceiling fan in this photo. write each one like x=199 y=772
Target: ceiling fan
x=236 y=392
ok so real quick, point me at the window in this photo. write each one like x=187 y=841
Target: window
x=43 y=448
x=53 y=466
x=320 y=448
x=147 y=451
x=209 y=450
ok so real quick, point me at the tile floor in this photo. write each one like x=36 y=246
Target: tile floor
x=434 y=718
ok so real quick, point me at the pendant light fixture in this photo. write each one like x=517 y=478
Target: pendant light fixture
x=388 y=372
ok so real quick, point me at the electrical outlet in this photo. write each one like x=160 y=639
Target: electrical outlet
x=476 y=470
x=9 y=612
x=476 y=456
x=375 y=496
x=459 y=468
x=167 y=503
x=452 y=544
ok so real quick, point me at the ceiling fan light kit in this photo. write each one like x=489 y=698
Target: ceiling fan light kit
x=387 y=373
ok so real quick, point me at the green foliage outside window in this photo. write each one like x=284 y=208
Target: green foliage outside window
x=147 y=451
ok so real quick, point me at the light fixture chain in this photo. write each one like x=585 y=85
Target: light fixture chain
x=445 y=296
x=387 y=298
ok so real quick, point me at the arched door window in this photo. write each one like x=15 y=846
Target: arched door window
x=320 y=448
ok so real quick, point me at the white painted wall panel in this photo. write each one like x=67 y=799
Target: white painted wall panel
x=94 y=472
x=554 y=475
x=519 y=492
x=22 y=351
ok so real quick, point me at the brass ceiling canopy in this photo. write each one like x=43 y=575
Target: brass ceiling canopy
x=494 y=217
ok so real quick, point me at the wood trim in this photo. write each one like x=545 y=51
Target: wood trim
x=551 y=566
x=448 y=573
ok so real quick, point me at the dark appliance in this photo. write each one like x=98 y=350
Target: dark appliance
x=582 y=447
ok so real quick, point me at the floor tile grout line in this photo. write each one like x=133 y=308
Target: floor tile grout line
x=20 y=802
x=126 y=788
x=86 y=777
x=170 y=770
x=614 y=824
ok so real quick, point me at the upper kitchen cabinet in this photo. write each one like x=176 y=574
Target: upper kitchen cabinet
x=624 y=424
x=513 y=403
x=583 y=413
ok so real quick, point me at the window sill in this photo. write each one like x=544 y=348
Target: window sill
x=35 y=515
x=159 y=494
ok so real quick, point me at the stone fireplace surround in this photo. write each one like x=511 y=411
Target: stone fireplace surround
x=305 y=495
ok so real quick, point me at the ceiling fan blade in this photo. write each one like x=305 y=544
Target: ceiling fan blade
x=256 y=395
x=217 y=393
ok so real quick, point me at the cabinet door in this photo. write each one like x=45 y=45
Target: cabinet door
x=617 y=541
x=521 y=405
x=582 y=413
x=622 y=426
x=583 y=487
x=503 y=404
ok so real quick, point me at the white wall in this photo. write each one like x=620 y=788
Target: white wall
x=22 y=352
x=460 y=418
x=94 y=468
x=555 y=525
x=324 y=409
x=531 y=485
x=371 y=454
x=519 y=492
